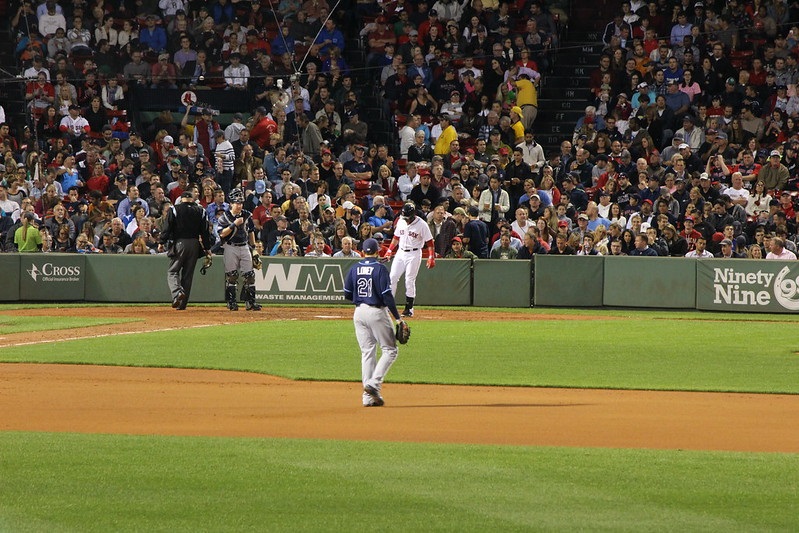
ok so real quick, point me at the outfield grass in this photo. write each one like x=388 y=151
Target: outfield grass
x=66 y=482
x=660 y=351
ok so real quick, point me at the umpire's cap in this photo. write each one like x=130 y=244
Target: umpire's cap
x=370 y=246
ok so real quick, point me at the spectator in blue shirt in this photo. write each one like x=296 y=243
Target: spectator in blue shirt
x=153 y=37
x=330 y=37
x=283 y=42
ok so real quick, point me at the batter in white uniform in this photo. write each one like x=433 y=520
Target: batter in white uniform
x=410 y=236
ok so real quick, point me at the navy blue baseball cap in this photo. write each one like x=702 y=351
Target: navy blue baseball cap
x=370 y=246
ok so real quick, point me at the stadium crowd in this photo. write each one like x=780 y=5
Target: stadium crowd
x=688 y=146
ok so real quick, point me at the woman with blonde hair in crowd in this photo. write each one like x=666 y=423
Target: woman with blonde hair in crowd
x=548 y=185
x=342 y=191
x=138 y=247
x=600 y=237
x=207 y=197
x=44 y=206
x=365 y=231
x=550 y=217
x=754 y=252
x=287 y=247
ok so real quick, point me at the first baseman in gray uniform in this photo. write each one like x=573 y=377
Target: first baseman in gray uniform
x=237 y=231
x=368 y=286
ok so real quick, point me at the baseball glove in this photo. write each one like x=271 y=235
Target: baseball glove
x=256 y=261
x=402 y=332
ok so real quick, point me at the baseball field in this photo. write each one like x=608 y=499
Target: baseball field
x=123 y=418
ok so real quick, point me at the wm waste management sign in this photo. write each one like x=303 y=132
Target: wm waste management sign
x=51 y=277
x=747 y=285
x=311 y=280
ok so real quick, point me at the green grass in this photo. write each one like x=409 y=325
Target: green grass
x=66 y=482
x=20 y=324
x=664 y=352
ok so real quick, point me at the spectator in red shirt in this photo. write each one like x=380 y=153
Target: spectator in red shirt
x=263 y=128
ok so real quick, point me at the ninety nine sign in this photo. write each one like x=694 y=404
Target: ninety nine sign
x=312 y=280
x=741 y=285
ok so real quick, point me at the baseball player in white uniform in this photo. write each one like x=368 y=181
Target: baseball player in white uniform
x=411 y=234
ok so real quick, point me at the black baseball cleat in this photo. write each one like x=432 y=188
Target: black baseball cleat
x=377 y=400
x=407 y=313
x=233 y=306
x=180 y=300
x=252 y=306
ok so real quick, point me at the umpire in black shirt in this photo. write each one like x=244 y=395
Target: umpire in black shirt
x=186 y=234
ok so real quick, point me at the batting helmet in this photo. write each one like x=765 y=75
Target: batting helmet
x=236 y=196
x=408 y=210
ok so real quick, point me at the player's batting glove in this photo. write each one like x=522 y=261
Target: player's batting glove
x=431 y=262
x=386 y=256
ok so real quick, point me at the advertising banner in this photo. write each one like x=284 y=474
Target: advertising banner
x=52 y=277
x=292 y=281
x=747 y=285
x=321 y=280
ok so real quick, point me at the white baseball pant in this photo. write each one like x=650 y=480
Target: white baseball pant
x=373 y=326
x=406 y=263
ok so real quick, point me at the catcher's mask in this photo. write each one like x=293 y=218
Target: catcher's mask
x=236 y=196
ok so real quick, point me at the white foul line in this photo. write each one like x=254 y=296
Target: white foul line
x=100 y=335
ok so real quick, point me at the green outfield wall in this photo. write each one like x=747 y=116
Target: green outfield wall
x=666 y=282
x=142 y=279
x=9 y=267
x=547 y=281
x=568 y=280
x=505 y=283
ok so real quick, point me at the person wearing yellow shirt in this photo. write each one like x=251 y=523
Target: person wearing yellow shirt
x=516 y=123
x=527 y=100
x=448 y=134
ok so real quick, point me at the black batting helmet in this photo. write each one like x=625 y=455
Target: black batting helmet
x=408 y=210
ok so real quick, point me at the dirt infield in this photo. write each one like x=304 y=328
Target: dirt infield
x=99 y=399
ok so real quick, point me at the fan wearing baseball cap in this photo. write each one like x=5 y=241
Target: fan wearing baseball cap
x=774 y=174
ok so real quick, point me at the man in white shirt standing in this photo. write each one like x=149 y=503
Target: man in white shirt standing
x=225 y=157
x=533 y=153
x=407 y=134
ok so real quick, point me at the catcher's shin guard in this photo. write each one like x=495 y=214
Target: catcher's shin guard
x=230 y=290
x=248 y=292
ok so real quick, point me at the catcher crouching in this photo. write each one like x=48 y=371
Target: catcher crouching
x=237 y=232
